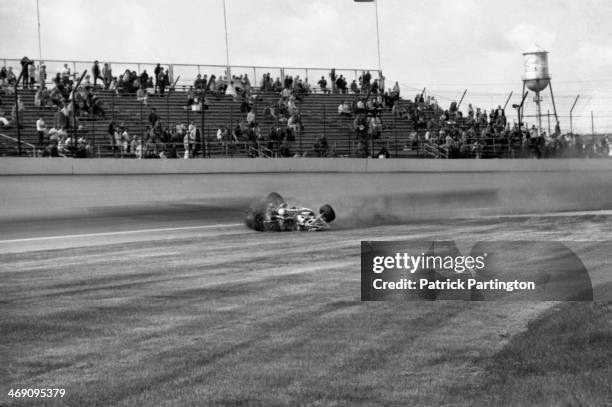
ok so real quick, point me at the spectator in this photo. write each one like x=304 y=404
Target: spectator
x=250 y=118
x=95 y=71
x=32 y=75
x=323 y=85
x=25 y=63
x=42 y=75
x=141 y=95
x=41 y=127
x=278 y=86
x=65 y=74
x=285 y=150
x=321 y=146
x=153 y=117
x=375 y=88
x=344 y=109
x=3 y=76
x=157 y=72
x=162 y=77
x=144 y=79
x=333 y=78
x=107 y=75
x=17 y=113
x=11 y=79
x=86 y=82
x=383 y=153
x=354 y=87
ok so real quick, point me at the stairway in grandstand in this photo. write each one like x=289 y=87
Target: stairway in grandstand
x=319 y=116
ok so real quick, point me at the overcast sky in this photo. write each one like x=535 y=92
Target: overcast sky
x=444 y=45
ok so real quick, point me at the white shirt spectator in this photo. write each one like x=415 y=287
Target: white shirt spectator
x=40 y=125
x=250 y=117
x=66 y=71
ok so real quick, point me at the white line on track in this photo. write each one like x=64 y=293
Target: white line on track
x=123 y=232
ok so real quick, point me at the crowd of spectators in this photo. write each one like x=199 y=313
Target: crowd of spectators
x=442 y=132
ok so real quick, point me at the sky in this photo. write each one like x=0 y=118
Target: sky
x=444 y=46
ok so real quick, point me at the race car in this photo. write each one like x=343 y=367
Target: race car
x=273 y=214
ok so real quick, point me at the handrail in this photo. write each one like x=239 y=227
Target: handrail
x=196 y=64
x=23 y=142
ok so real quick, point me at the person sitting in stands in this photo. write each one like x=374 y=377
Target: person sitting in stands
x=344 y=109
x=321 y=146
x=374 y=127
x=41 y=127
x=383 y=153
x=285 y=150
x=360 y=106
x=3 y=120
x=360 y=125
x=291 y=106
x=142 y=95
x=191 y=96
x=11 y=79
x=277 y=86
x=354 y=87
x=250 y=118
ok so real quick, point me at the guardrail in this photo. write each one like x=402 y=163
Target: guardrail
x=187 y=72
x=32 y=146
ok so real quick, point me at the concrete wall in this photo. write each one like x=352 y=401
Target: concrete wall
x=68 y=166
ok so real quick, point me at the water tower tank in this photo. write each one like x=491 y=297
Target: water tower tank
x=535 y=74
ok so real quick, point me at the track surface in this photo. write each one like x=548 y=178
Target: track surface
x=179 y=304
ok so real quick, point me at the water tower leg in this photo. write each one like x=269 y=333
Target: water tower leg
x=520 y=111
x=552 y=97
x=538 y=112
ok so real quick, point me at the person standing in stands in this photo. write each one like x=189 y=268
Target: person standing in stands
x=153 y=117
x=158 y=69
x=25 y=63
x=107 y=74
x=95 y=71
x=40 y=129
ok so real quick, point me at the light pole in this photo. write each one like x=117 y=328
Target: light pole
x=39 y=44
x=229 y=70
x=377 y=29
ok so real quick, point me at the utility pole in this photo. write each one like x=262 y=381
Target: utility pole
x=508 y=100
x=461 y=100
x=571 y=117
x=592 y=125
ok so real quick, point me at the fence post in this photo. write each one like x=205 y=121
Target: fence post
x=141 y=133
x=395 y=134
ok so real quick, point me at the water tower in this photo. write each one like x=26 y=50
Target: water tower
x=536 y=78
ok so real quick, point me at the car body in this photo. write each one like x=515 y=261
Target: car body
x=273 y=214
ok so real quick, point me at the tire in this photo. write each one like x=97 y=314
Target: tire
x=255 y=215
x=254 y=220
x=274 y=198
x=328 y=213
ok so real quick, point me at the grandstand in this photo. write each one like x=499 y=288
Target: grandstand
x=426 y=131
x=318 y=111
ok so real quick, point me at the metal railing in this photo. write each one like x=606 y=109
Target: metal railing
x=13 y=139
x=187 y=73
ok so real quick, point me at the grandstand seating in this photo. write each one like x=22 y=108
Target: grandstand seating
x=319 y=116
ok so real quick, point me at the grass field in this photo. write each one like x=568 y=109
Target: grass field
x=228 y=317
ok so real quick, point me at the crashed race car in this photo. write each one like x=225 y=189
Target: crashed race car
x=272 y=214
